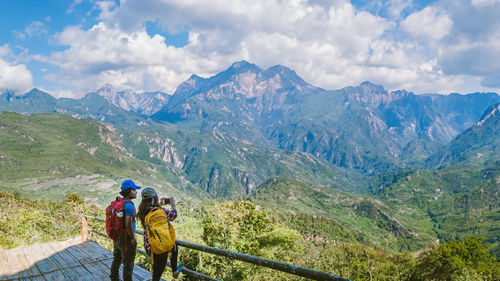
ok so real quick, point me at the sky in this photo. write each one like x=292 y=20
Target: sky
x=70 y=47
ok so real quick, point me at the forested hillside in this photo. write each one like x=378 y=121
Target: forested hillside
x=247 y=228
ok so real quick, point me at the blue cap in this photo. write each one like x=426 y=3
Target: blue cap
x=126 y=184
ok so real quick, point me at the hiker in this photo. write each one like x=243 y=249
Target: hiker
x=125 y=246
x=155 y=221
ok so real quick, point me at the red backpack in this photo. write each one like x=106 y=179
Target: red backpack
x=115 y=223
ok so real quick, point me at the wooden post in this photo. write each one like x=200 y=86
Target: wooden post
x=85 y=229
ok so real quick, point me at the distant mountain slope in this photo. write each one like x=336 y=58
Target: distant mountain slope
x=370 y=129
x=410 y=210
x=144 y=103
x=91 y=106
x=341 y=217
x=365 y=128
x=236 y=101
x=55 y=154
x=457 y=201
x=55 y=151
x=34 y=101
x=226 y=167
x=477 y=146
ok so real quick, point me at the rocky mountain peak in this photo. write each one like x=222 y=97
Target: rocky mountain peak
x=370 y=88
x=128 y=99
x=492 y=112
x=107 y=87
x=37 y=93
x=7 y=94
x=106 y=91
x=370 y=93
x=285 y=73
x=243 y=66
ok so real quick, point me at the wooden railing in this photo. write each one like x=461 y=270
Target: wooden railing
x=276 y=265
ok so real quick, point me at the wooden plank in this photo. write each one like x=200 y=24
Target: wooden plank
x=98 y=270
x=80 y=254
x=8 y=269
x=49 y=256
x=65 y=260
x=70 y=267
x=33 y=257
x=29 y=268
x=43 y=260
x=139 y=273
x=3 y=263
x=37 y=278
x=64 y=257
x=71 y=254
x=78 y=273
x=93 y=249
x=14 y=267
x=57 y=275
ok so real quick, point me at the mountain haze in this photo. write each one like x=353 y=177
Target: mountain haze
x=365 y=128
x=57 y=148
x=476 y=146
x=91 y=106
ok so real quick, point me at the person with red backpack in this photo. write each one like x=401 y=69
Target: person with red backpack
x=120 y=226
x=159 y=234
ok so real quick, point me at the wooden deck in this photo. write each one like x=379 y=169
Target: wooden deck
x=67 y=260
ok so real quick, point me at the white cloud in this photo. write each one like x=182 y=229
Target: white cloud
x=33 y=29
x=396 y=7
x=329 y=44
x=430 y=23
x=4 y=50
x=73 y=6
x=473 y=45
x=105 y=54
x=14 y=76
x=484 y=3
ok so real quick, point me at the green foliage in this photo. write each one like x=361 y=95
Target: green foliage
x=446 y=204
x=326 y=213
x=239 y=226
x=26 y=221
x=244 y=227
x=465 y=259
x=74 y=198
x=57 y=154
x=311 y=226
x=358 y=262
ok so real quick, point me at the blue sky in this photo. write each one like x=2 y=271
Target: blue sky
x=70 y=47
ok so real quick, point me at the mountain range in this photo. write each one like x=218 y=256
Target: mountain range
x=366 y=129
x=390 y=167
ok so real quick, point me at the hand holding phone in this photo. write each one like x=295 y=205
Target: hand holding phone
x=164 y=201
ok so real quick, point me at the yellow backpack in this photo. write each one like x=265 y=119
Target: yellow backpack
x=160 y=232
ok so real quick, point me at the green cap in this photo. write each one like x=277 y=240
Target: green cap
x=148 y=193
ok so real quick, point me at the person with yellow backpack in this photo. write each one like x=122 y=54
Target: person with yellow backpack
x=159 y=233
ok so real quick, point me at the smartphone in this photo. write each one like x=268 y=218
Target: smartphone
x=167 y=200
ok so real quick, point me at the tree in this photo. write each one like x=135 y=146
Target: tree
x=241 y=227
x=465 y=259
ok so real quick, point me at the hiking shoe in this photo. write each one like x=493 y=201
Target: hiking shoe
x=179 y=268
